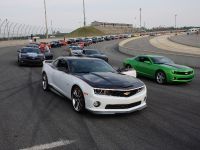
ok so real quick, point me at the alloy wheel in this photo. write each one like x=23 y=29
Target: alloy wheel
x=77 y=99
x=160 y=77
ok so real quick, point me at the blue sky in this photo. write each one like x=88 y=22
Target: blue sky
x=67 y=14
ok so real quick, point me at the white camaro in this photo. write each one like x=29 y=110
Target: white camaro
x=94 y=85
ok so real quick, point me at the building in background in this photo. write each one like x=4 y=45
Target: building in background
x=113 y=28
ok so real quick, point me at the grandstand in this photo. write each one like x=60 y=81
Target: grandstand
x=113 y=28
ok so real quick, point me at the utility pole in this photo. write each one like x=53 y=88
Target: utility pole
x=45 y=13
x=84 y=22
x=175 y=23
x=140 y=20
x=51 y=27
x=175 y=20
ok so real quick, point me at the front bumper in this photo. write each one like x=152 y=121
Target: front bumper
x=180 y=78
x=139 y=98
x=31 y=61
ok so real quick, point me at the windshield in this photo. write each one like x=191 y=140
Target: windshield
x=30 y=50
x=161 y=60
x=91 y=52
x=88 y=65
x=76 y=48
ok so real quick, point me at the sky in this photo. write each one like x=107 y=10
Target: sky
x=68 y=14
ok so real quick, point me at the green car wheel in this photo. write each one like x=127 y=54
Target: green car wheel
x=160 y=77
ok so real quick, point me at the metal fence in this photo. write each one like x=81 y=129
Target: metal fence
x=11 y=31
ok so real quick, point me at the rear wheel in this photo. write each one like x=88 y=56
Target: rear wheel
x=78 y=101
x=161 y=77
x=45 y=84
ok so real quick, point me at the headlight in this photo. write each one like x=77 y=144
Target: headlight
x=23 y=56
x=101 y=92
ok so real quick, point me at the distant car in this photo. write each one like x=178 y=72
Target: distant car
x=55 y=44
x=30 y=56
x=71 y=41
x=94 y=54
x=160 y=68
x=94 y=40
x=32 y=45
x=75 y=51
x=107 y=38
x=63 y=42
x=47 y=54
x=92 y=84
x=81 y=44
x=44 y=45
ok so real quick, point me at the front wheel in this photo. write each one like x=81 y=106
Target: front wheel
x=45 y=84
x=128 y=66
x=161 y=77
x=78 y=101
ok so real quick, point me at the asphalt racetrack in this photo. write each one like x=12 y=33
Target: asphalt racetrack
x=31 y=117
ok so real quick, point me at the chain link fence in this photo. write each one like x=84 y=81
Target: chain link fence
x=15 y=31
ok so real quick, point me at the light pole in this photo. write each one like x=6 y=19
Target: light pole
x=140 y=19
x=175 y=20
x=45 y=13
x=84 y=22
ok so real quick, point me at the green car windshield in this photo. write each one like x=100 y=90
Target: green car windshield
x=161 y=60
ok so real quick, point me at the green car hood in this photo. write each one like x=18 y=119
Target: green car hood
x=176 y=67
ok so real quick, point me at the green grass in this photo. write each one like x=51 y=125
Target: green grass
x=85 y=32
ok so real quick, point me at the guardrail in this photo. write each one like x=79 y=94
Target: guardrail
x=180 y=58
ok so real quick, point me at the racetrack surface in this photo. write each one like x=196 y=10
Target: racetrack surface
x=189 y=40
x=30 y=116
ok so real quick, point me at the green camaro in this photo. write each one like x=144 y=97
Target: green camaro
x=160 y=68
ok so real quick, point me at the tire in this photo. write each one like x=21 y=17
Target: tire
x=128 y=66
x=19 y=62
x=161 y=77
x=78 y=101
x=45 y=84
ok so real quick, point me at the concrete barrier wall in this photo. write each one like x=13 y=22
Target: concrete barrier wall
x=184 y=59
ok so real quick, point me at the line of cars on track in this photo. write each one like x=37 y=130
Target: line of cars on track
x=91 y=83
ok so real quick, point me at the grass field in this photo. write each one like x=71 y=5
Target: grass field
x=85 y=32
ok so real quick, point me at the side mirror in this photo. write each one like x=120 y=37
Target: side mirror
x=147 y=62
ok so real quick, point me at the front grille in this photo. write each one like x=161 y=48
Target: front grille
x=183 y=73
x=118 y=93
x=33 y=58
x=122 y=106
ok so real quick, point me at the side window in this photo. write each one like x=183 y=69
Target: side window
x=62 y=65
x=143 y=59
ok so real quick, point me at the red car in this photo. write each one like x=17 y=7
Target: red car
x=81 y=44
x=62 y=42
x=44 y=46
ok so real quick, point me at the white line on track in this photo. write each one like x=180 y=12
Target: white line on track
x=50 y=145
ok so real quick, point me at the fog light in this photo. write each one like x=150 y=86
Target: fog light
x=97 y=104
